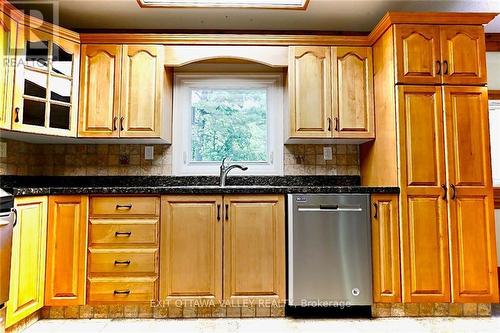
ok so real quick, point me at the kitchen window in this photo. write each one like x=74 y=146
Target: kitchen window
x=233 y=116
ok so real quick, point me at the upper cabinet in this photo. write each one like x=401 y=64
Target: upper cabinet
x=309 y=74
x=331 y=93
x=430 y=54
x=46 y=84
x=353 y=105
x=463 y=53
x=122 y=92
x=100 y=91
x=418 y=55
x=7 y=54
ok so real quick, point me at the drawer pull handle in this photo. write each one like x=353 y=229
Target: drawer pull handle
x=123 y=233
x=129 y=206
x=122 y=292
x=122 y=262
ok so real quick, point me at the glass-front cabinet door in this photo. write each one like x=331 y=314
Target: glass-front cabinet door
x=46 y=84
x=8 y=29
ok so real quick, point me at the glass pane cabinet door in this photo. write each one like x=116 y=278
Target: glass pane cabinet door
x=45 y=87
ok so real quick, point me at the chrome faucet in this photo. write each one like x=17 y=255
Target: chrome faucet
x=224 y=170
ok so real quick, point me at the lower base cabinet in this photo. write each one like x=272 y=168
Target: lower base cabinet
x=217 y=248
x=27 y=276
x=66 y=250
x=385 y=248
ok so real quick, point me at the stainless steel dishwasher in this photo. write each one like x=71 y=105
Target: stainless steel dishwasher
x=329 y=250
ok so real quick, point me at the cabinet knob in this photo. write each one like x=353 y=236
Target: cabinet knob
x=438 y=63
x=122 y=292
x=445 y=63
x=121 y=123
x=114 y=123
x=454 y=192
x=375 y=214
x=445 y=192
x=329 y=124
x=123 y=233
x=337 y=124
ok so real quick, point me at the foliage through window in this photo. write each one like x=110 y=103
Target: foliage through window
x=229 y=123
x=233 y=116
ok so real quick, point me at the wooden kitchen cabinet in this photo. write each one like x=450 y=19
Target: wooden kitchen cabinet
x=66 y=250
x=125 y=92
x=191 y=248
x=27 y=276
x=472 y=225
x=254 y=248
x=423 y=195
x=432 y=54
x=229 y=248
x=46 y=84
x=385 y=248
x=123 y=245
x=463 y=53
x=310 y=93
x=352 y=85
x=141 y=93
x=418 y=54
x=8 y=34
x=100 y=91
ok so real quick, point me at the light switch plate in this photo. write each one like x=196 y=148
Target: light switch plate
x=3 y=149
x=327 y=153
x=149 y=152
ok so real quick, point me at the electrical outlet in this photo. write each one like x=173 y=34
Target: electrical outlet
x=327 y=153
x=149 y=152
x=3 y=149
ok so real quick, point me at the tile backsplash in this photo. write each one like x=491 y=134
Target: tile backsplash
x=105 y=160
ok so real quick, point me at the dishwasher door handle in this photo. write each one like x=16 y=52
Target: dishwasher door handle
x=333 y=210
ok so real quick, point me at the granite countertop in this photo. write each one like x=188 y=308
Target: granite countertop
x=32 y=185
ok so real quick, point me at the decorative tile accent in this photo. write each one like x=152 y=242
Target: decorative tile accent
x=380 y=310
x=104 y=160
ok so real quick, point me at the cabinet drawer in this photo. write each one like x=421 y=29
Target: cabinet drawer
x=116 y=233
x=122 y=290
x=124 y=206
x=123 y=261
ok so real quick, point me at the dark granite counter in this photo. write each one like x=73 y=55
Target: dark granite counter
x=31 y=185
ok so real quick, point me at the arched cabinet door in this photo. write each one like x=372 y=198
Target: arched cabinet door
x=100 y=91
x=353 y=115
x=418 y=59
x=464 y=55
x=141 y=102
x=309 y=75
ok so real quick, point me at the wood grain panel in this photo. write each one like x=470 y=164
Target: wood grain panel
x=310 y=94
x=142 y=78
x=8 y=34
x=471 y=206
x=129 y=232
x=124 y=206
x=27 y=275
x=100 y=79
x=66 y=250
x=425 y=249
x=353 y=92
x=385 y=249
x=254 y=248
x=123 y=261
x=464 y=55
x=113 y=290
x=417 y=54
x=191 y=248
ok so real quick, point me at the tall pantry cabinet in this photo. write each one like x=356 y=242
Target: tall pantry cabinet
x=433 y=142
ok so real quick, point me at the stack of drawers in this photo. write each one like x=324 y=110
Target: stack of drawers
x=123 y=249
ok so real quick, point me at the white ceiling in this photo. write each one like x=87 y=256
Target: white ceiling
x=321 y=15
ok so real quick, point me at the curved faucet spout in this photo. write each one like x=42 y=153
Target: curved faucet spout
x=224 y=170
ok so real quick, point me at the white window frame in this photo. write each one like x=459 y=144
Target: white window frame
x=184 y=82
x=494 y=108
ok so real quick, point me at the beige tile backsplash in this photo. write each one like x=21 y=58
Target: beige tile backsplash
x=104 y=160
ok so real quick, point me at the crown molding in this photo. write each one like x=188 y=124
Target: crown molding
x=35 y=23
